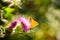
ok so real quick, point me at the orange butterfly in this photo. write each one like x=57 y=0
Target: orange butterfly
x=33 y=23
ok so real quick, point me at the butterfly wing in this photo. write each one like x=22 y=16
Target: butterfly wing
x=33 y=23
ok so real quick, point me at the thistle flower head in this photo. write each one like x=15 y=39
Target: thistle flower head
x=25 y=23
x=13 y=24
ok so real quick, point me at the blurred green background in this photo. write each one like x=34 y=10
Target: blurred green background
x=45 y=12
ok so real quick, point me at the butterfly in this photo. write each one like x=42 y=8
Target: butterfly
x=33 y=23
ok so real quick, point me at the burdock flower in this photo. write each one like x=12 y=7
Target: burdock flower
x=13 y=24
x=25 y=23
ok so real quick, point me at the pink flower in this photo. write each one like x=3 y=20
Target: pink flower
x=25 y=23
x=13 y=24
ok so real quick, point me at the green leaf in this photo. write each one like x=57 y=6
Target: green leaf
x=9 y=14
x=9 y=10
